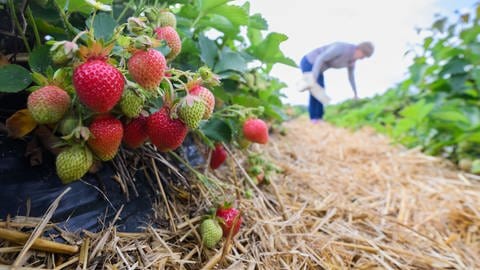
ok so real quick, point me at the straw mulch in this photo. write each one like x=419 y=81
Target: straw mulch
x=344 y=201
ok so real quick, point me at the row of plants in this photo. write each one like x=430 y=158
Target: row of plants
x=100 y=76
x=437 y=105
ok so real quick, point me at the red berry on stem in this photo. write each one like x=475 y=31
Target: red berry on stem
x=106 y=136
x=147 y=68
x=256 y=130
x=164 y=132
x=135 y=132
x=99 y=85
x=230 y=221
x=219 y=155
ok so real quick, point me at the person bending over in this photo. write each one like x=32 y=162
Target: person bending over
x=334 y=55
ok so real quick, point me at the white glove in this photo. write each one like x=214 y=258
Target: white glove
x=317 y=91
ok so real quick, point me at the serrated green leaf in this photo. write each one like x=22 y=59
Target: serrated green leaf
x=255 y=36
x=230 y=61
x=217 y=130
x=103 y=25
x=274 y=112
x=14 y=78
x=220 y=23
x=455 y=66
x=39 y=59
x=235 y=14
x=268 y=51
x=453 y=116
x=247 y=101
x=417 y=111
x=48 y=27
x=164 y=49
x=208 y=50
x=470 y=34
x=49 y=14
x=258 y=22
x=207 y=5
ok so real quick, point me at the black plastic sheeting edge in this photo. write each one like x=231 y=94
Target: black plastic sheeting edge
x=85 y=206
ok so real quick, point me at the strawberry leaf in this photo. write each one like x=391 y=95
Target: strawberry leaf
x=39 y=59
x=217 y=130
x=20 y=124
x=14 y=78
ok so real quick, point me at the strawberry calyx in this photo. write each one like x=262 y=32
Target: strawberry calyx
x=95 y=51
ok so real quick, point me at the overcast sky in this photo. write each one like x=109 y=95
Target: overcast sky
x=390 y=25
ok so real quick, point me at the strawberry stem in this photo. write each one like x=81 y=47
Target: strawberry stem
x=205 y=180
x=79 y=35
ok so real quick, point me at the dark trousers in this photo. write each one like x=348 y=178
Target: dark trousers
x=315 y=107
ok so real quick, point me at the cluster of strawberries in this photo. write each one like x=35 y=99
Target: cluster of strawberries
x=225 y=222
x=114 y=103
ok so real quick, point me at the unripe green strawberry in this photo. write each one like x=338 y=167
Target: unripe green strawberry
x=48 y=104
x=475 y=166
x=465 y=164
x=132 y=103
x=68 y=124
x=207 y=97
x=243 y=143
x=208 y=77
x=255 y=170
x=191 y=111
x=63 y=51
x=170 y=35
x=106 y=136
x=167 y=18
x=136 y=25
x=73 y=163
x=211 y=232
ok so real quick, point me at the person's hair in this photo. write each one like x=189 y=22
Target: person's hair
x=366 y=47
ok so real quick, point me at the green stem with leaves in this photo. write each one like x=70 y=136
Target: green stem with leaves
x=124 y=11
x=38 y=40
x=72 y=31
x=17 y=24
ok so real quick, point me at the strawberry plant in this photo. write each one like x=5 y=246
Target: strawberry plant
x=101 y=75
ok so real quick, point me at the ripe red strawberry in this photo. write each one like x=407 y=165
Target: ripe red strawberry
x=147 y=68
x=106 y=136
x=191 y=111
x=256 y=130
x=48 y=104
x=99 y=85
x=135 y=132
x=170 y=35
x=207 y=98
x=164 y=132
x=229 y=220
x=219 y=155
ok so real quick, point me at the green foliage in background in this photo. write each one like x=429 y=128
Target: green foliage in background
x=437 y=107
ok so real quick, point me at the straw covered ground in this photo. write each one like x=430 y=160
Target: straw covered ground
x=345 y=200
